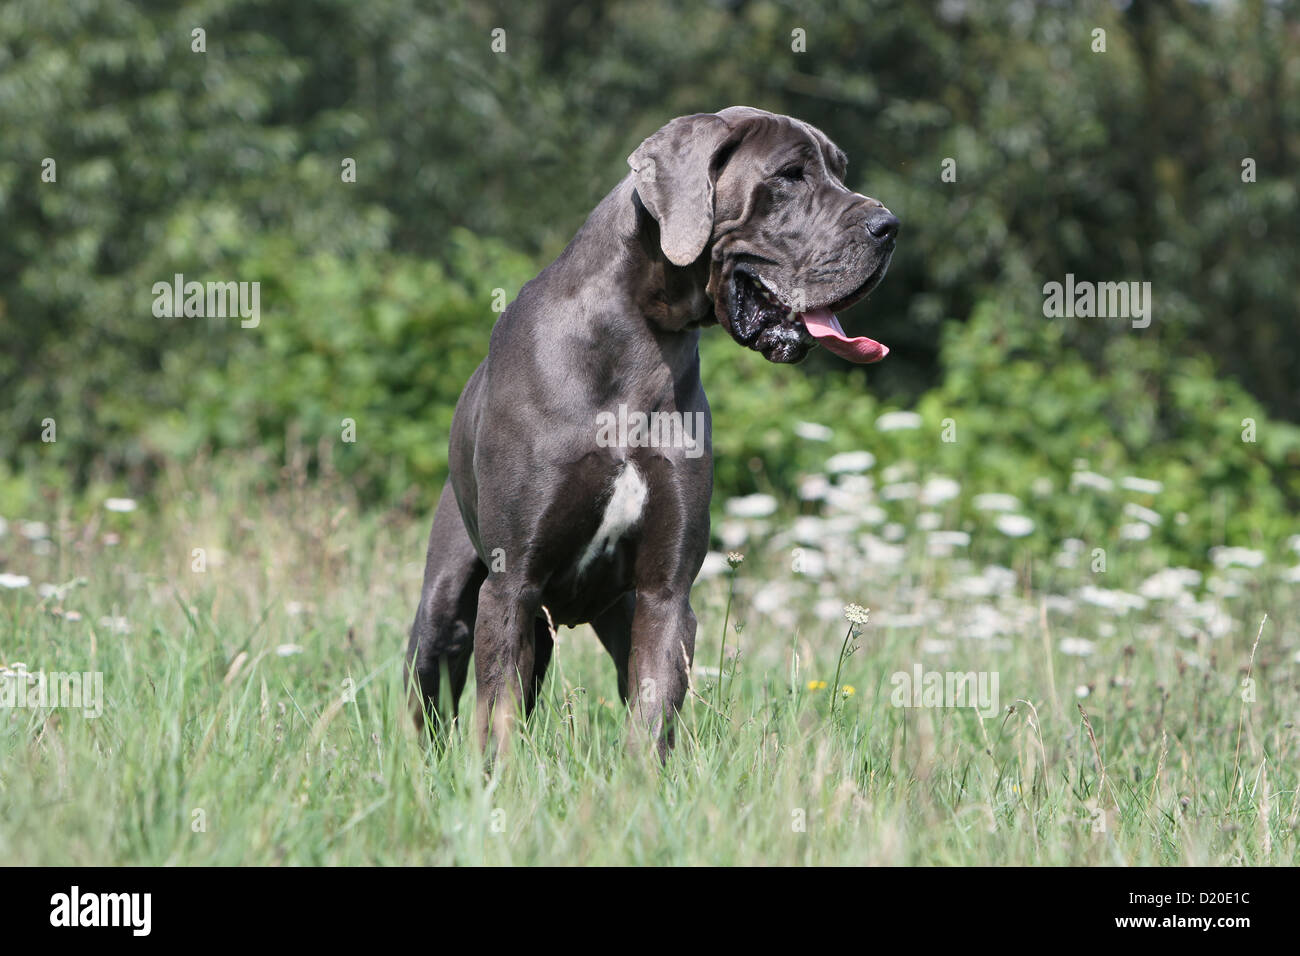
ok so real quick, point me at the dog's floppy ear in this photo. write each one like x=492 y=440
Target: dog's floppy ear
x=673 y=171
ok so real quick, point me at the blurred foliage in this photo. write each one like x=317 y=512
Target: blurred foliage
x=1020 y=414
x=474 y=167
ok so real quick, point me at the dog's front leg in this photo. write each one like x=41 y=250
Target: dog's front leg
x=503 y=656
x=663 y=647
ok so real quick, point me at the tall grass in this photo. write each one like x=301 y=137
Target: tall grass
x=254 y=714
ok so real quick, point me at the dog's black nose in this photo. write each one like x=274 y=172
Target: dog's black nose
x=882 y=224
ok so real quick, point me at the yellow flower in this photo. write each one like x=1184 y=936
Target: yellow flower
x=816 y=685
x=848 y=690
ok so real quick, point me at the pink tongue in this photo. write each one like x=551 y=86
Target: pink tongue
x=823 y=326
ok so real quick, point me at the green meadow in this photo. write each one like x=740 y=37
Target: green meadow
x=250 y=645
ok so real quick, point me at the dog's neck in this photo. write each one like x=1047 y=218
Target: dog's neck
x=611 y=273
x=672 y=298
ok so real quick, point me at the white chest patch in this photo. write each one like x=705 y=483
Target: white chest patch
x=622 y=512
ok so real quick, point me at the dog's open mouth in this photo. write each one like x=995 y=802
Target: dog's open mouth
x=762 y=321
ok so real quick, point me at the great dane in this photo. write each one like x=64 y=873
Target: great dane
x=739 y=217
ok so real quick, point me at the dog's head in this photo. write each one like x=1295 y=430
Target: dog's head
x=791 y=245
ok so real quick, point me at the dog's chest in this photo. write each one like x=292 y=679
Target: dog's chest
x=601 y=551
x=622 y=513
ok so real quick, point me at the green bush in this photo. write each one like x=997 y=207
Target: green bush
x=1025 y=414
x=385 y=340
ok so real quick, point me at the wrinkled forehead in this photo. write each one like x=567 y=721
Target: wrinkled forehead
x=779 y=141
x=772 y=142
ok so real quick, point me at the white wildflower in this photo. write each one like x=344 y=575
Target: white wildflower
x=751 y=506
x=1146 y=486
x=850 y=462
x=938 y=490
x=1059 y=603
x=1224 y=587
x=812 y=431
x=1132 y=510
x=1014 y=526
x=733 y=534
x=901 y=491
x=898 y=421
x=1121 y=602
x=1242 y=557
x=814 y=488
x=1076 y=646
x=984 y=622
x=873 y=515
x=828 y=609
x=808 y=529
x=1169 y=584
x=809 y=562
x=995 y=501
x=34 y=530
x=856 y=614
x=1090 y=479
x=951 y=539
x=929 y=520
x=878 y=552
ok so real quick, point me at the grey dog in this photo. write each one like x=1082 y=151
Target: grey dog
x=739 y=217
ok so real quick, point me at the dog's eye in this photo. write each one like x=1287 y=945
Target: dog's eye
x=792 y=174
